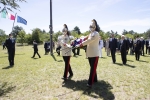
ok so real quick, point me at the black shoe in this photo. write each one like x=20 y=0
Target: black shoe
x=64 y=78
x=95 y=80
x=89 y=85
x=39 y=57
x=70 y=76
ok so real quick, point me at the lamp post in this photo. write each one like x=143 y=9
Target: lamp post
x=51 y=29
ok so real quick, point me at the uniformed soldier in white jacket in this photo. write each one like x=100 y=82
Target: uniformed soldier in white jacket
x=100 y=46
x=92 y=41
x=66 y=51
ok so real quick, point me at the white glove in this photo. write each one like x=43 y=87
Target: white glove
x=69 y=46
x=77 y=46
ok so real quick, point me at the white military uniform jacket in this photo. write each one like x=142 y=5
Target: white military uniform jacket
x=92 y=44
x=100 y=44
x=65 y=42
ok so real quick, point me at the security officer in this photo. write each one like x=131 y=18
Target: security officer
x=10 y=44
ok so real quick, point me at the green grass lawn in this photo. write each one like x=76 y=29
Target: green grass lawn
x=40 y=78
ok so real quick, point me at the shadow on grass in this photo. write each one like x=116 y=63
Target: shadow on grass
x=59 y=60
x=8 y=67
x=132 y=66
x=119 y=64
x=143 y=61
x=4 y=88
x=103 y=57
x=130 y=60
x=53 y=57
x=3 y=56
x=20 y=54
x=101 y=89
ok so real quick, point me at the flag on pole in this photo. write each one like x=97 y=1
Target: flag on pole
x=3 y=14
x=21 y=20
x=11 y=17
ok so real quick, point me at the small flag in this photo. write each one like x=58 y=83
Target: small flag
x=21 y=20
x=11 y=17
x=3 y=14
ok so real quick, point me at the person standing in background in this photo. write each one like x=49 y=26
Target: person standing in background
x=107 y=47
x=142 y=44
x=138 y=48
x=124 y=49
x=100 y=46
x=113 y=47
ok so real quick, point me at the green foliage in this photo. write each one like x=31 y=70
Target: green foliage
x=3 y=36
x=21 y=36
x=77 y=30
x=16 y=30
x=28 y=39
x=11 y=4
x=36 y=35
x=55 y=35
x=147 y=34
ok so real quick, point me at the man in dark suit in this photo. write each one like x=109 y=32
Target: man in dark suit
x=124 y=47
x=45 y=47
x=10 y=44
x=147 y=46
x=113 y=47
x=35 y=49
x=138 y=48
x=142 y=44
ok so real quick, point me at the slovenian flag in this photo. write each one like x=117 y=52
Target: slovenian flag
x=21 y=20
x=11 y=17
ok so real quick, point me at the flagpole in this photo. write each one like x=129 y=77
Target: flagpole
x=51 y=29
x=14 y=22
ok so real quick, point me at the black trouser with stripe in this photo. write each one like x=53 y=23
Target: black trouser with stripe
x=93 y=65
x=67 y=66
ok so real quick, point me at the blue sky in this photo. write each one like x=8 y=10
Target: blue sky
x=115 y=15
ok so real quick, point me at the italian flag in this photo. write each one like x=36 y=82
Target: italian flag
x=11 y=17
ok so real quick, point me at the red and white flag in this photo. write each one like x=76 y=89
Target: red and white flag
x=11 y=17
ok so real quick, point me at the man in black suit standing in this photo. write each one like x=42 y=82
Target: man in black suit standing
x=138 y=48
x=10 y=44
x=35 y=49
x=147 y=46
x=113 y=47
x=124 y=49
x=142 y=44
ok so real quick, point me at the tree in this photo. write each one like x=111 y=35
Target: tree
x=16 y=30
x=11 y=4
x=76 y=29
x=36 y=35
x=21 y=35
x=3 y=36
x=147 y=34
x=131 y=32
x=124 y=32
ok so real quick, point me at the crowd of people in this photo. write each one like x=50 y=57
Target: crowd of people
x=93 y=45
